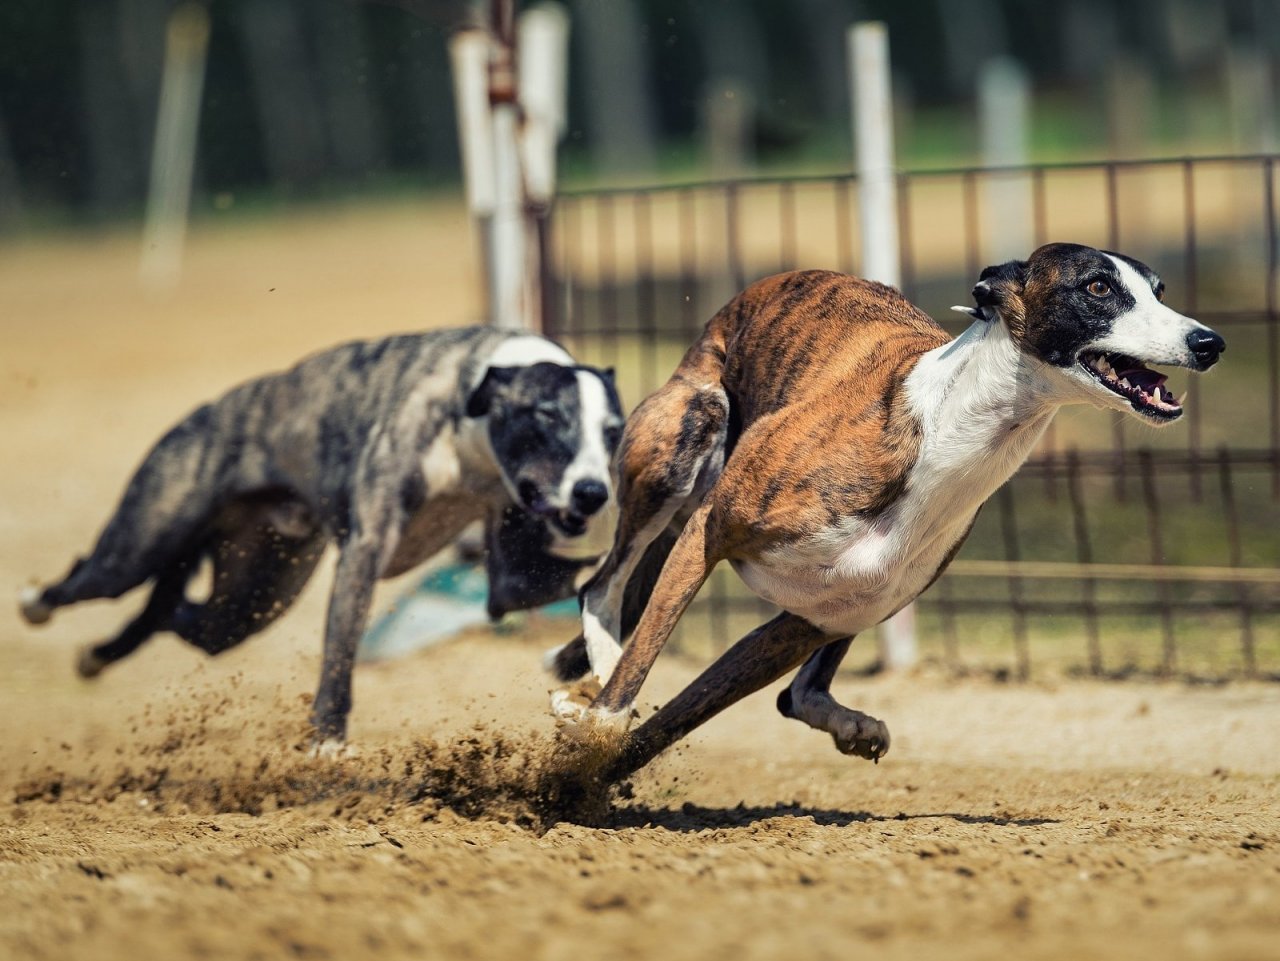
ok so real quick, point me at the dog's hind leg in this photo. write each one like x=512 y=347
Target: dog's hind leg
x=165 y=503
x=764 y=655
x=89 y=579
x=258 y=573
x=809 y=699
x=156 y=616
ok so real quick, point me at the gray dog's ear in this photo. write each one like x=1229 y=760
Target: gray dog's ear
x=495 y=379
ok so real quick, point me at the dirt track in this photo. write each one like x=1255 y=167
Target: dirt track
x=161 y=812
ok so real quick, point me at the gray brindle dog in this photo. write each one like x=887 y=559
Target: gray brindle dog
x=387 y=447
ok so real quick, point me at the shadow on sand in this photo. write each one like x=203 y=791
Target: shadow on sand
x=691 y=817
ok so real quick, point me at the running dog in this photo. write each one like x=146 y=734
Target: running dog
x=834 y=445
x=388 y=447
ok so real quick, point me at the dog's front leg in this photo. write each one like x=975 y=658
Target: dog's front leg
x=809 y=699
x=353 y=584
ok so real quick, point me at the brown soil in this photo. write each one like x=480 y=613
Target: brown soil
x=166 y=811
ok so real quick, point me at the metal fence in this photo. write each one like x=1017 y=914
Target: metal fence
x=1116 y=549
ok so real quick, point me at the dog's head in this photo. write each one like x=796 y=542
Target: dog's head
x=1096 y=319
x=553 y=430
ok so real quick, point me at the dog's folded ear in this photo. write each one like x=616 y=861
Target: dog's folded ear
x=495 y=379
x=999 y=288
x=607 y=374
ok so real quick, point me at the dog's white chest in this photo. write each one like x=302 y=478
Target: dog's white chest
x=857 y=572
x=851 y=577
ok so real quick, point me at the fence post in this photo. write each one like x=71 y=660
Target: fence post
x=872 y=99
x=873 y=144
x=173 y=156
x=469 y=60
x=509 y=238
x=1004 y=111
x=508 y=127
x=543 y=43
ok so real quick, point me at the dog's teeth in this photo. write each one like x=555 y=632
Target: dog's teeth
x=1124 y=382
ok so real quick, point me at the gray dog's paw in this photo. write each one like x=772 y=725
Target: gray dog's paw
x=860 y=734
x=88 y=664
x=34 y=609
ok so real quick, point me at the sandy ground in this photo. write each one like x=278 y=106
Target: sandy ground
x=163 y=811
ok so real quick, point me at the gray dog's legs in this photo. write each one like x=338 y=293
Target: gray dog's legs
x=353 y=584
x=263 y=549
x=257 y=575
x=164 y=507
x=156 y=616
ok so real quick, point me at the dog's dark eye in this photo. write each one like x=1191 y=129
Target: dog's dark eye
x=1160 y=293
x=547 y=416
x=1099 y=288
x=612 y=436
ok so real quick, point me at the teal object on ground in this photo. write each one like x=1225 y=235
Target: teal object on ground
x=447 y=600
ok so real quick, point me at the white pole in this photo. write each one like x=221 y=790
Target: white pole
x=873 y=142
x=469 y=59
x=872 y=101
x=543 y=37
x=173 y=154
x=1004 y=117
x=508 y=242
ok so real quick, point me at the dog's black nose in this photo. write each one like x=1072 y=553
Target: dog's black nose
x=589 y=496
x=1205 y=346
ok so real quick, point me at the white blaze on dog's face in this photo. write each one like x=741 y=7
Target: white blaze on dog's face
x=553 y=429
x=1096 y=319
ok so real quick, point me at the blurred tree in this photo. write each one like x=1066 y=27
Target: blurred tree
x=285 y=90
x=609 y=42
x=116 y=149
x=304 y=93
x=353 y=118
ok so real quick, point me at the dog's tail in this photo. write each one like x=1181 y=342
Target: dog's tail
x=569 y=662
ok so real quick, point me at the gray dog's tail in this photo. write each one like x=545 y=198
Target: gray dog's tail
x=569 y=662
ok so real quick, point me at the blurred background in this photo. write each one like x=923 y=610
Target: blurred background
x=309 y=99
x=706 y=144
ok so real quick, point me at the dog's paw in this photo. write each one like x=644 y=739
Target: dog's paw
x=331 y=749
x=568 y=662
x=573 y=702
x=34 y=609
x=860 y=734
x=89 y=665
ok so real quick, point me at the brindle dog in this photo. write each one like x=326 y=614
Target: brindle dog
x=834 y=445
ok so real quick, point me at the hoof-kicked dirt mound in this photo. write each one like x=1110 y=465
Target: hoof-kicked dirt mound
x=534 y=781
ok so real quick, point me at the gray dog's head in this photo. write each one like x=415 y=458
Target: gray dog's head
x=553 y=430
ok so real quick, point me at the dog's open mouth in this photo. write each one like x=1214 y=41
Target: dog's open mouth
x=1141 y=386
x=571 y=522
